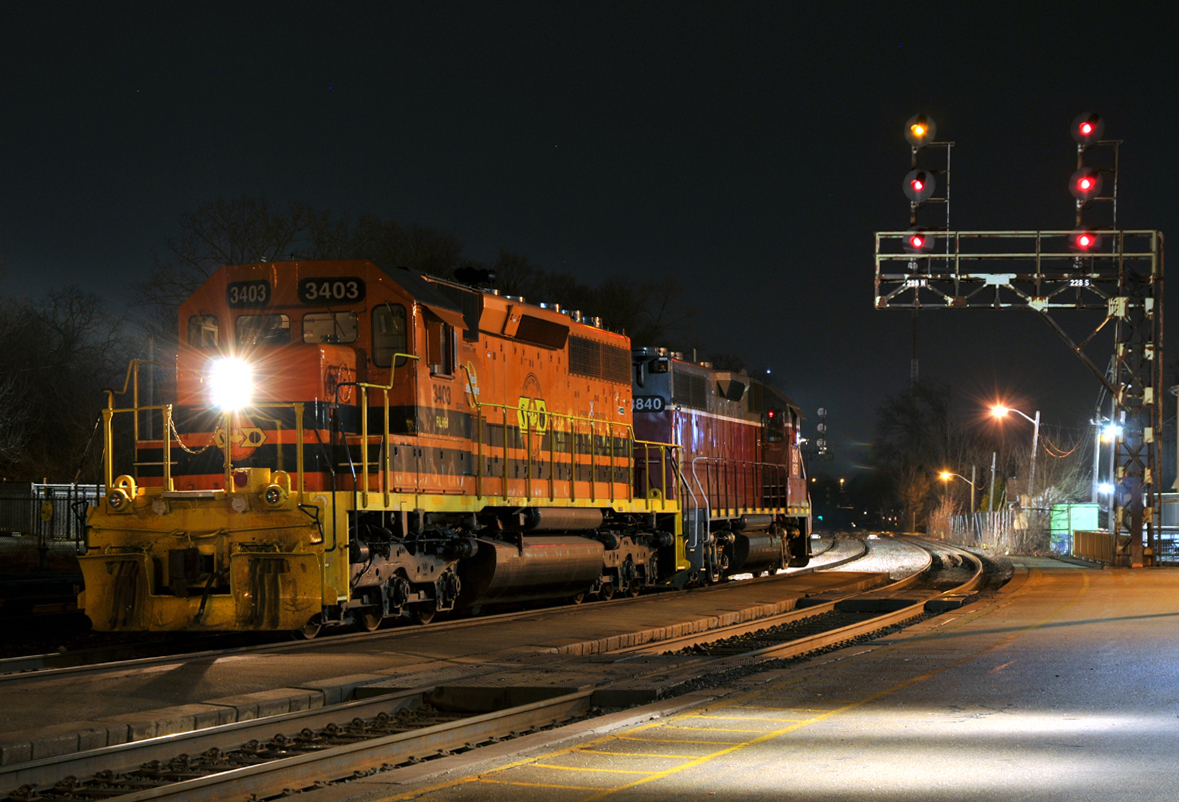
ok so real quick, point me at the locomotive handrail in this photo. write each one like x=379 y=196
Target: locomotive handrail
x=364 y=463
x=226 y=447
x=526 y=428
x=745 y=473
x=108 y=448
x=128 y=384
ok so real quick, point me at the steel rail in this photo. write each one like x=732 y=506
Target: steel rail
x=824 y=639
x=301 y=771
x=797 y=614
x=130 y=755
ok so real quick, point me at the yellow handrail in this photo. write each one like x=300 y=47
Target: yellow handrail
x=573 y=421
x=388 y=472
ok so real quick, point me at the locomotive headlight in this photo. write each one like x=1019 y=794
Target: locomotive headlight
x=231 y=383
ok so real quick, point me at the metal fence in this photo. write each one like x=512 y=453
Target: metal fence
x=1012 y=531
x=51 y=513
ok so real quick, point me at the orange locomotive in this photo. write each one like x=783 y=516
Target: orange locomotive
x=350 y=444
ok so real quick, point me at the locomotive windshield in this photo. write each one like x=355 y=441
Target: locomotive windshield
x=329 y=327
x=202 y=331
x=263 y=330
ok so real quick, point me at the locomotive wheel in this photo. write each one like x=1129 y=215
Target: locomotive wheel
x=311 y=628
x=578 y=599
x=607 y=592
x=422 y=613
x=368 y=620
x=629 y=577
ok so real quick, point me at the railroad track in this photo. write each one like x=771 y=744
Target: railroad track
x=126 y=656
x=828 y=623
x=267 y=757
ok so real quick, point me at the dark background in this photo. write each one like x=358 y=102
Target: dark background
x=748 y=149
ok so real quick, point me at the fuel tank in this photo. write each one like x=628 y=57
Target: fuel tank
x=541 y=567
x=756 y=552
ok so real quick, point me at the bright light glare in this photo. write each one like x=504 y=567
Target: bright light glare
x=1084 y=240
x=1105 y=488
x=1110 y=432
x=1000 y=411
x=231 y=383
x=1086 y=183
x=945 y=476
x=917 y=185
x=919 y=130
x=1086 y=128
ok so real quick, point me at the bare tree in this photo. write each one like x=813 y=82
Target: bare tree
x=56 y=355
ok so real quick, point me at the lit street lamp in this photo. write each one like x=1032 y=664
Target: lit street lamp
x=1000 y=411
x=947 y=475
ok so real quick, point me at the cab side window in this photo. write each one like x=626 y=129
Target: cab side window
x=389 y=334
x=202 y=331
x=439 y=346
x=775 y=423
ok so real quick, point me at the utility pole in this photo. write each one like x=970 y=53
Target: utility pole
x=991 y=501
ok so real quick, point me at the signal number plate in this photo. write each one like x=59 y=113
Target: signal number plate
x=333 y=290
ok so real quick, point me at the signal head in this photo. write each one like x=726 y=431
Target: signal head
x=1088 y=128
x=918 y=240
x=919 y=185
x=920 y=130
x=1084 y=240
x=1085 y=184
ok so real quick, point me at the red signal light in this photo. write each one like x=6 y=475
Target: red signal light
x=919 y=185
x=1086 y=184
x=1084 y=240
x=1088 y=128
x=918 y=240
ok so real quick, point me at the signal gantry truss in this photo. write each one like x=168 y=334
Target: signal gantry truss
x=1119 y=275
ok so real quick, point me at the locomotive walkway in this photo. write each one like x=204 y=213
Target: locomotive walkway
x=1063 y=686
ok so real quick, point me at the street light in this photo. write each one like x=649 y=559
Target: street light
x=1000 y=411
x=947 y=475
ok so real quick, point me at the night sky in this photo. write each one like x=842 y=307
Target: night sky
x=748 y=149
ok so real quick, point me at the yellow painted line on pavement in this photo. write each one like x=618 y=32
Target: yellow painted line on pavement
x=586 y=768
x=748 y=718
x=732 y=746
x=538 y=785
x=637 y=754
x=706 y=729
x=673 y=741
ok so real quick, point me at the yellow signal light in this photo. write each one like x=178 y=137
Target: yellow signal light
x=920 y=130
